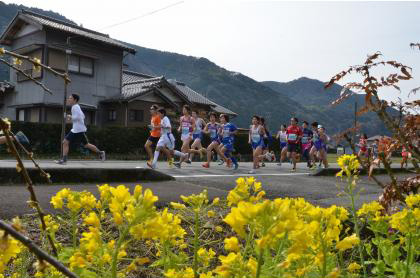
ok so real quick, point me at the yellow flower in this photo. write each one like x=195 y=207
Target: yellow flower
x=106 y=258
x=120 y=193
x=92 y=219
x=2 y=51
x=57 y=202
x=252 y=265
x=218 y=229
x=178 y=205
x=17 y=61
x=353 y=267
x=347 y=242
x=370 y=209
x=348 y=164
x=412 y=200
x=211 y=213
x=216 y=201
x=149 y=198
x=137 y=191
x=232 y=244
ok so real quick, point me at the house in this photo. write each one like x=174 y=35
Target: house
x=140 y=91
x=109 y=94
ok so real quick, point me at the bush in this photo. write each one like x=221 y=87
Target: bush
x=45 y=139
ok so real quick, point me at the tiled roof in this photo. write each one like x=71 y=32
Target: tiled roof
x=136 y=84
x=136 y=88
x=190 y=94
x=73 y=29
x=131 y=76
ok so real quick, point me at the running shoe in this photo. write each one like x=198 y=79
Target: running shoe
x=314 y=167
x=61 y=162
x=262 y=164
x=293 y=170
x=177 y=165
x=235 y=166
x=150 y=164
x=21 y=138
x=206 y=165
x=252 y=171
x=221 y=162
x=102 y=156
x=170 y=162
x=279 y=164
x=188 y=161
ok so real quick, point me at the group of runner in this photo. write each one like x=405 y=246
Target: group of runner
x=191 y=128
x=295 y=141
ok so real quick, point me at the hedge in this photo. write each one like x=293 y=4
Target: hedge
x=123 y=141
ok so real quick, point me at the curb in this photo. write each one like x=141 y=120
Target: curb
x=376 y=171
x=85 y=175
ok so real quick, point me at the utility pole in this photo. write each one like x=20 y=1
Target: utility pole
x=355 y=122
x=63 y=122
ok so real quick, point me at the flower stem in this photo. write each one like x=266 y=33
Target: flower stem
x=407 y=268
x=260 y=262
x=196 y=243
x=115 y=255
x=356 y=227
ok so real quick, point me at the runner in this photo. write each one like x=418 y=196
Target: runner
x=375 y=157
x=255 y=139
x=282 y=137
x=405 y=157
x=306 y=143
x=19 y=137
x=314 y=150
x=294 y=134
x=166 y=140
x=363 y=146
x=213 y=129
x=267 y=141
x=78 y=131
x=323 y=152
x=186 y=128
x=196 y=146
x=228 y=137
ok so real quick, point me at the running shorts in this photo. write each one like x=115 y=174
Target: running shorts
x=167 y=140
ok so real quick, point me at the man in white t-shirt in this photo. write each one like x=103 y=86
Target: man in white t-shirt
x=77 y=134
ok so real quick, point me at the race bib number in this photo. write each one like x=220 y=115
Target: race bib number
x=213 y=133
x=185 y=130
x=292 y=137
x=255 y=138
x=305 y=140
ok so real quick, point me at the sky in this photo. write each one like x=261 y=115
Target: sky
x=265 y=40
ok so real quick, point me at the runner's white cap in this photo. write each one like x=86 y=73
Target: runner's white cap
x=320 y=126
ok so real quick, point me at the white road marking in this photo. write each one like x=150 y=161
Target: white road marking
x=239 y=175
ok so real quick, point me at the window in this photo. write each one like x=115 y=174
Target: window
x=20 y=115
x=112 y=115
x=135 y=115
x=86 y=65
x=74 y=63
x=27 y=67
x=56 y=59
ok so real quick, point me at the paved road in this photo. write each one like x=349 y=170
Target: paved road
x=218 y=180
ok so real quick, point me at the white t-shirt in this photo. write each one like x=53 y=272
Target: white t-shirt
x=166 y=125
x=78 y=119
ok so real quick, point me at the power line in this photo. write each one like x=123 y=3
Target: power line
x=143 y=15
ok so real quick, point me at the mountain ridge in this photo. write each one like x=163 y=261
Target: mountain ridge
x=303 y=97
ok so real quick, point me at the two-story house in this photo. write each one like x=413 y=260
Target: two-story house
x=109 y=94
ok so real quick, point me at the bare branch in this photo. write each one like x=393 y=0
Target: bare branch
x=414 y=45
x=26 y=75
x=41 y=254
x=30 y=156
x=37 y=64
x=5 y=127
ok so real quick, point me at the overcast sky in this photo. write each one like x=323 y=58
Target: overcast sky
x=266 y=40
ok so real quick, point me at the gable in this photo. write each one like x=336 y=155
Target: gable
x=25 y=30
